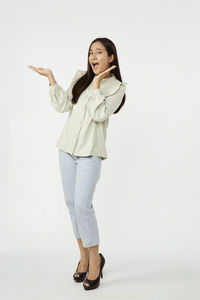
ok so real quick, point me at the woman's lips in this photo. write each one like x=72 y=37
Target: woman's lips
x=95 y=66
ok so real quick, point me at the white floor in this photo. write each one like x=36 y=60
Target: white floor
x=141 y=276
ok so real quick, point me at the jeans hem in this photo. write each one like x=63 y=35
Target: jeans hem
x=91 y=245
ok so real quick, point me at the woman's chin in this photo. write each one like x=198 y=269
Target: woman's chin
x=97 y=71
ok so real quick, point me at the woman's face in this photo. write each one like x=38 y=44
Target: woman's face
x=98 y=58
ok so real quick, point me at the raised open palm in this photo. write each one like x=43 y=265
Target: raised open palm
x=41 y=71
x=104 y=73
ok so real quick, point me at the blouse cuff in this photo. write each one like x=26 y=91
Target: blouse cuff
x=53 y=86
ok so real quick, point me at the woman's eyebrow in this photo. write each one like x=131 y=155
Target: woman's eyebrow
x=97 y=49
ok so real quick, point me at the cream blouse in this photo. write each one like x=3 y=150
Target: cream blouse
x=84 y=132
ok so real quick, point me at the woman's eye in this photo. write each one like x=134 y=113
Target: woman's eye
x=97 y=52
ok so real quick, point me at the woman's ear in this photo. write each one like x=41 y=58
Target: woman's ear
x=111 y=58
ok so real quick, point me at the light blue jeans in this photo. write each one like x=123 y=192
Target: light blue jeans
x=80 y=175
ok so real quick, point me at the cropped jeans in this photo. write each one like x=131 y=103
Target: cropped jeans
x=79 y=175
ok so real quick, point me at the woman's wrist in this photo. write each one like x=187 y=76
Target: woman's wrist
x=51 y=78
x=96 y=85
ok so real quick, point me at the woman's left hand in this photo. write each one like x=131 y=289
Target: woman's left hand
x=104 y=74
x=97 y=80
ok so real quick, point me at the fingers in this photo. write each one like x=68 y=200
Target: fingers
x=113 y=67
x=38 y=70
x=33 y=68
x=109 y=69
x=30 y=67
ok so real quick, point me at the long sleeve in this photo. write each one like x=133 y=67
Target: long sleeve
x=102 y=107
x=61 y=99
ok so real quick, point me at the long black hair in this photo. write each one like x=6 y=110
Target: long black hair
x=87 y=78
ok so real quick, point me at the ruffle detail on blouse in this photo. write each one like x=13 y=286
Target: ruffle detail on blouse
x=112 y=88
x=108 y=86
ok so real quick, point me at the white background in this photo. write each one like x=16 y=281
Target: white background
x=147 y=198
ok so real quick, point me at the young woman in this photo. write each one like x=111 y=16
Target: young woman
x=92 y=97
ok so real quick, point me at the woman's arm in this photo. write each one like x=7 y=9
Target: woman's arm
x=61 y=99
x=100 y=107
x=51 y=79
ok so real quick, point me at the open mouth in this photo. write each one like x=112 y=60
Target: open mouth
x=95 y=65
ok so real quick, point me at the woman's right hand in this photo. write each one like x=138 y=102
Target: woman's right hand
x=45 y=72
x=41 y=71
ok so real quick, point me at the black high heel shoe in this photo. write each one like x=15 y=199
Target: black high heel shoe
x=81 y=276
x=93 y=284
